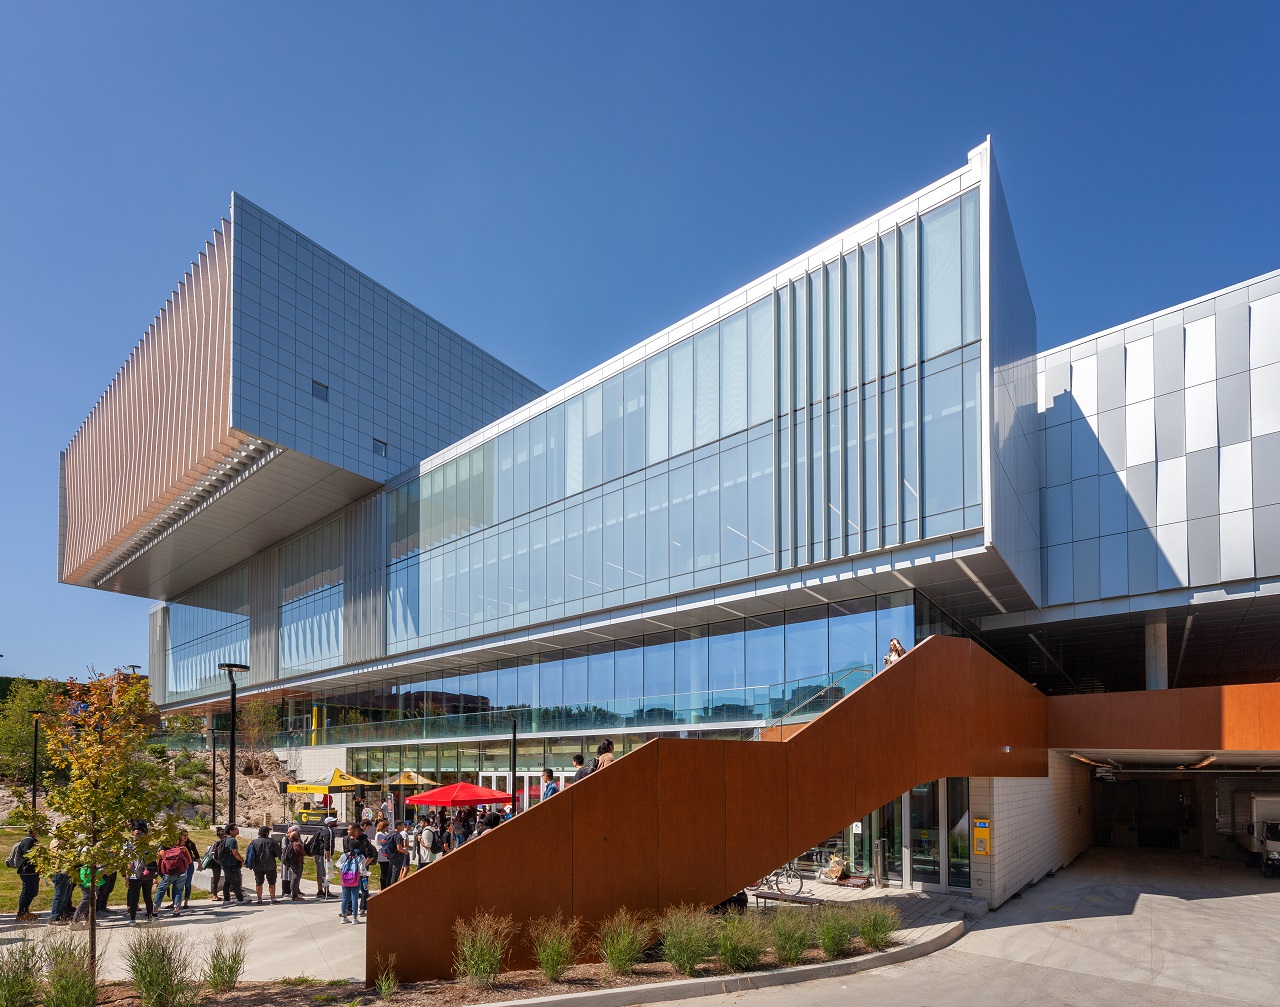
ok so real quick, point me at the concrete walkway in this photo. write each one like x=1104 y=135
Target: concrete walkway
x=1166 y=920
x=1117 y=927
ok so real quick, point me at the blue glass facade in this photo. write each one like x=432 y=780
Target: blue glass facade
x=837 y=415
x=732 y=671
x=208 y=627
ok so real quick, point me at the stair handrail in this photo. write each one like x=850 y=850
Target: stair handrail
x=822 y=692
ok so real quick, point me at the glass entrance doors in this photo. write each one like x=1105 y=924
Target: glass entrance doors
x=920 y=851
x=528 y=786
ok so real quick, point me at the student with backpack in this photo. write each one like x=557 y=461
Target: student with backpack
x=321 y=848
x=430 y=845
x=232 y=862
x=173 y=864
x=293 y=858
x=356 y=840
x=351 y=868
x=261 y=858
x=27 y=875
x=212 y=862
x=142 y=875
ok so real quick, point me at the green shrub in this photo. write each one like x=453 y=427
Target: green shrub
x=158 y=752
x=554 y=941
x=159 y=967
x=20 y=974
x=386 y=982
x=792 y=933
x=226 y=960
x=875 y=924
x=69 y=979
x=201 y=822
x=834 y=931
x=622 y=940
x=482 y=944
x=688 y=936
x=741 y=940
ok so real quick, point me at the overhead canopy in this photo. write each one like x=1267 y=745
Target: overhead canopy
x=460 y=795
x=339 y=783
x=409 y=779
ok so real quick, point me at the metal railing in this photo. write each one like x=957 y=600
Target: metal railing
x=838 y=685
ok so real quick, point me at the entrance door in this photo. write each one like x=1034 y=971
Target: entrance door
x=925 y=836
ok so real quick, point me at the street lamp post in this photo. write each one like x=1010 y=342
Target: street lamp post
x=232 y=670
x=35 y=757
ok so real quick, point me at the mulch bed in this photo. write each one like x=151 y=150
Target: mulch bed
x=511 y=986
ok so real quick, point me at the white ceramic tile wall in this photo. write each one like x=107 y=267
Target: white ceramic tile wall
x=1037 y=825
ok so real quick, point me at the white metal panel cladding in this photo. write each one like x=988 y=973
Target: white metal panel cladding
x=264 y=616
x=158 y=652
x=161 y=431
x=364 y=587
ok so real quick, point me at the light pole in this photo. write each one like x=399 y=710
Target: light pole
x=35 y=757
x=232 y=670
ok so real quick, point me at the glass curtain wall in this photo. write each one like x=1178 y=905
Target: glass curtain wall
x=208 y=627
x=739 y=670
x=837 y=415
x=311 y=574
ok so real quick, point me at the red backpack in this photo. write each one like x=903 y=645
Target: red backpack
x=175 y=860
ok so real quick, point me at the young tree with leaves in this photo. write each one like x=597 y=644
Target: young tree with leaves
x=97 y=744
x=17 y=727
x=259 y=721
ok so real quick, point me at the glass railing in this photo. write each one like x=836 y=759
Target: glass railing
x=821 y=697
x=757 y=706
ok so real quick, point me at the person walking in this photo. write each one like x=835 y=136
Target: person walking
x=292 y=859
x=232 y=863
x=604 y=753
x=185 y=838
x=896 y=652
x=62 y=888
x=87 y=895
x=580 y=771
x=213 y=860
x=382 y=842
x=263 y=853
x=549 y=788
x=174 y=863
x=104 y=893
x=28 y=876
x=142 y=875
x=323 y=846
x=355 y=839
x=351 y=867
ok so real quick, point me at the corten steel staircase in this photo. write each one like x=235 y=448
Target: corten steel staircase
x=689 y=820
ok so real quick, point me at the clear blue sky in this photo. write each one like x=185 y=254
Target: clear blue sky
x=558 y=181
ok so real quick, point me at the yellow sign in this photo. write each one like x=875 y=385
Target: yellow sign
x=339 y=783
x=982 y=836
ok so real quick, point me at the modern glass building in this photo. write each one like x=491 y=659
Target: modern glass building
x=714 y=533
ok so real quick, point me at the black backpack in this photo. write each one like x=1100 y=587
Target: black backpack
x=437 y=844
x=312 y=845
x=593 y=765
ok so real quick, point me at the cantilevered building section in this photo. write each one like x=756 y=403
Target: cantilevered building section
x=276 y=385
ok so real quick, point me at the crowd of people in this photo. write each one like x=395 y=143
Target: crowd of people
x=343 y=860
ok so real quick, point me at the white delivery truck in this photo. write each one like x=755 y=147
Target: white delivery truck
x=1255 y=822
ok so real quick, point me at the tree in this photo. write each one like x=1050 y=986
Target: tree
x=259 y=721
x=97 y=741
x=17 y=727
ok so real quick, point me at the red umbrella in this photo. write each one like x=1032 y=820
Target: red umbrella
x=460 y=795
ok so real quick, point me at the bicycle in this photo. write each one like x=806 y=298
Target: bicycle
x=786 y=880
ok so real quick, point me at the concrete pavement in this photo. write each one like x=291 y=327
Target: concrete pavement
x=1117 y=927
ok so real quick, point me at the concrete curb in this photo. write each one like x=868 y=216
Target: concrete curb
x=682 y=989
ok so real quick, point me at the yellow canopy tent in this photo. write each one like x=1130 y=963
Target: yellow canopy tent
x=409 y=779
x=339 y=783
